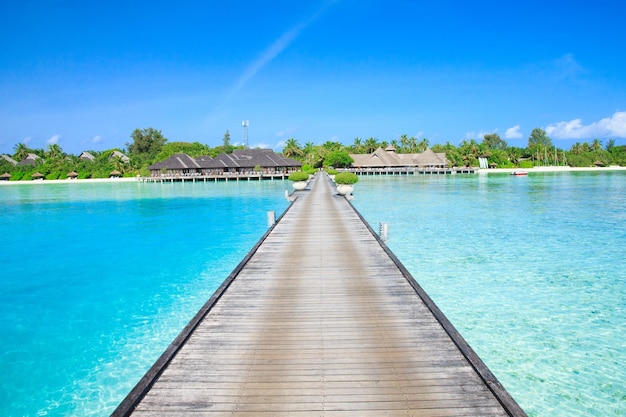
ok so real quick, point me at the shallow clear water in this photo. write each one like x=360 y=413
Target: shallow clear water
x=531 y=271
x=97 y=279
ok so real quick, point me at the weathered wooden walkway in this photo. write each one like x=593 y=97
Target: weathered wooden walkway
x=319 y=320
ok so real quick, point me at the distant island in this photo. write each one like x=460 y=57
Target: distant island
x=149 y=148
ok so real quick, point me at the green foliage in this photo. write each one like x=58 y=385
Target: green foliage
x=346 y=178
x=331 y=171
x=298 y=176
x=193 y=149
x=494 y=141
x=338 y=158
x=146 y=145
x=525 y=164
x=539 y=137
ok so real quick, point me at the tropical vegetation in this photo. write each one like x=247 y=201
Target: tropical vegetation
x=539 y=151
x=149 y=145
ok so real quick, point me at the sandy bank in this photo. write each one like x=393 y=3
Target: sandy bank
x=551 y=169
x=68 y=181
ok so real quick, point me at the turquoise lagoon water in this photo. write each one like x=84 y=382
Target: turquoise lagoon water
x=96 y=280
x=531 y=271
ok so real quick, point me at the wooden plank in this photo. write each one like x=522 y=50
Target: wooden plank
x=320 y=319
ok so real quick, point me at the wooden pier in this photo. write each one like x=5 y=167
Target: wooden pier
x=413 y=171
x=319 y=319
x=215 y=178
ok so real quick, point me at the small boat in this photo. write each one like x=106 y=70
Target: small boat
x=519 y=173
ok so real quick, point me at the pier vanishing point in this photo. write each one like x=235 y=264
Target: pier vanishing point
x=319 y=319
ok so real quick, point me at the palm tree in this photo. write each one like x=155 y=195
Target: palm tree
x=292 y=148
x=423 y=145
x=404 y=144
x=54 y=151
x=357 y=145
x=596 y=145
x=21 y=151
x=370 y=145
x=309 y=153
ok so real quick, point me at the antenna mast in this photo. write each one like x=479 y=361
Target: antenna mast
x=245 y=124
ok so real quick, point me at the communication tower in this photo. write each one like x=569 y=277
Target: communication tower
x=245 y=124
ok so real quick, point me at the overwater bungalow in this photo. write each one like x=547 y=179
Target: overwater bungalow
x=388 y=158
x=240 y=162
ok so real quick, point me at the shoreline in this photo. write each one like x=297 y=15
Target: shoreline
x=478 y=171
x=68 y=181
x=551 y=169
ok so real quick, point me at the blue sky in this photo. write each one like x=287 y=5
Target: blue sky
x=85 y=74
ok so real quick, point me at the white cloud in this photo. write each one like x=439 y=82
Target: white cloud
x=614 y=126
x=96 y=139
x=53 y=140
x=479 y=136
x=260 y=146
x=27 y=140
x=513 y=133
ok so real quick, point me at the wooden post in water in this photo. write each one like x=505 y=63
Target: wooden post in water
x=383 y=231
x=271 y=218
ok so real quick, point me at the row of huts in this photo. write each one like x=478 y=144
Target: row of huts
x=32 y=159
x=240 y=162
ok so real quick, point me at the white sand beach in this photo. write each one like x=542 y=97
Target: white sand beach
x=69 y=181
x=552 y=169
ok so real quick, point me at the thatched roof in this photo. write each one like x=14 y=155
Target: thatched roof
x=179 y=161
x=118 y=154
x=240 y=158
x=86 y=156
x=72 y=174
x=30 y=159
x=5 y=176
x=115 y=173
x=250 y=158
x=9 y=159
x=388 y=158
x=37 y=175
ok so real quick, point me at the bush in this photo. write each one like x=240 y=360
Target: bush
x=346 y=178
x=331 y=171
x=298 y=176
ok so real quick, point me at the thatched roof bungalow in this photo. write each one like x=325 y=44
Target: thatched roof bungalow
x=37 y=176
x=177 y=164
x=72 y=175
x=8 y=159
x=5 y=177
x=30 y=160
x=248 y=161
x=118 y=154
x=115 y=174
x=241 y=161
x=86 y=156
x=388 y=158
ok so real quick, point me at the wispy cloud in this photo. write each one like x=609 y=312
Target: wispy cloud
x=53 y=140
x=96 y=139
x=513 y=132
x=614 y=126
x=275 y=49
